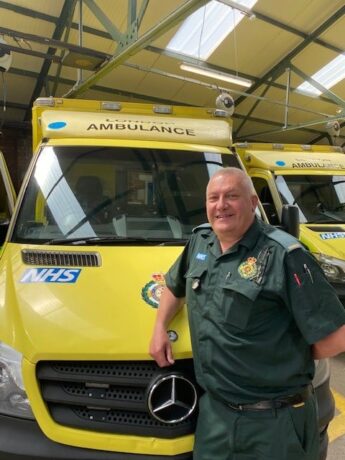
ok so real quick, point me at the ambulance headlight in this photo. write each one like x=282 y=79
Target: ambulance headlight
x=13 y=399
x=333 y=268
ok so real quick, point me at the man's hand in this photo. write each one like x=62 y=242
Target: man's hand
x=160 y=348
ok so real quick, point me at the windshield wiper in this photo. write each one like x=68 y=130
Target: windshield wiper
x=115 y=239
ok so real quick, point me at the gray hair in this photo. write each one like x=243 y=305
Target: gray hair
x=232 y=171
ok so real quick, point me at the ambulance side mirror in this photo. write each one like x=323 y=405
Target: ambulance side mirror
x=290 y=220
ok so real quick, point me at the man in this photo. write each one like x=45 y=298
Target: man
x=259 y=310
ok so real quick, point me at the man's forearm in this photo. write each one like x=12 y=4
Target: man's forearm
x=169 y=305
x=331 y=345
x=160 y=346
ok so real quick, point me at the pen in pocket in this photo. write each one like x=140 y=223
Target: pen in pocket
x=306 y=270
x=298 y=281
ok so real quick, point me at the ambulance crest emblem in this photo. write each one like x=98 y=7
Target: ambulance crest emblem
x=152 y=291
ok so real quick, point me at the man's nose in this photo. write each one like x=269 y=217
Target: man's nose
x=222 y=202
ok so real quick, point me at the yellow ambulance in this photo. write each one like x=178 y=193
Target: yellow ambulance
x=109 y=200
x=311 y=177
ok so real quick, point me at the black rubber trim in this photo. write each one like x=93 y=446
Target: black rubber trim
x=22 y=439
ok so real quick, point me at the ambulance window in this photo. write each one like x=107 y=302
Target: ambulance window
x=320 y=198
x=87 y=192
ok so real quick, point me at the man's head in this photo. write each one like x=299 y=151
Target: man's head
x=230 y=203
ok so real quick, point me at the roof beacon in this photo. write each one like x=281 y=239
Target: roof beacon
x=108 y=105
x=165 y=109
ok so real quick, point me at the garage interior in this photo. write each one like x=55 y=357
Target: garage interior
x=126 y=50
x=85 y=49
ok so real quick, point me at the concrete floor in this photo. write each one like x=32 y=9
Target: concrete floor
x=336 y=450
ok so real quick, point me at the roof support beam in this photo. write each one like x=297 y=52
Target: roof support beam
x=295 y=127
x=280 y=67
x=52 y=42
x=166 y=24
x=142 y=11
x=218 y=88
x=191 y=60
x=103 y=18
x=30 y=52
x=67 y=11
x=294 y=31
x=46 y=17
x=336 y=99
x=132 y=13
x=247 y=117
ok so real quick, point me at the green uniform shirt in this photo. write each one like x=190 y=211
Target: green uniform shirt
x=253 y=312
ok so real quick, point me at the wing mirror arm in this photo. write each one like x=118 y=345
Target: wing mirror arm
x=290 y=219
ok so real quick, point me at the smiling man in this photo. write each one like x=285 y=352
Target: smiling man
x=259 y=310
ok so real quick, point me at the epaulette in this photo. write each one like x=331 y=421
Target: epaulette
x=202 y=227
x=289 y=242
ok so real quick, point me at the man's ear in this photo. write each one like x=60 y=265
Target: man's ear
x=255 y=201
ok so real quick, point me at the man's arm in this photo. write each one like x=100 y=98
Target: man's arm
x=160 y=346
x=331 y=345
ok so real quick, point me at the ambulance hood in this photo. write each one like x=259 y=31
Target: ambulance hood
x=55 y=311
x=328 y=239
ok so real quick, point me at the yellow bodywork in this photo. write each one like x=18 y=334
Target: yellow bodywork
x=103 y=316
x=106 y=314
x=269 y=160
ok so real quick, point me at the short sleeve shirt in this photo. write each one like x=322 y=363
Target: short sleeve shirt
x=254 y=312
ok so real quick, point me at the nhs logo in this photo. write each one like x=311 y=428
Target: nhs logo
x=50 y=275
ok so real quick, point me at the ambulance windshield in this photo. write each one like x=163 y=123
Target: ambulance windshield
x=320 y=198
x=115 y=194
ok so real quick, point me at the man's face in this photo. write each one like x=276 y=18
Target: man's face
x=230 y=206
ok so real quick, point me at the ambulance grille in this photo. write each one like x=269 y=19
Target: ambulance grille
x=61 y=258
x=110 y=396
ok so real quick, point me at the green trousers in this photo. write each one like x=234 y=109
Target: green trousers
x=290 y=433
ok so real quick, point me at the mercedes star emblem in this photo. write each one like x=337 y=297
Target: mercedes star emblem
x=172 y=398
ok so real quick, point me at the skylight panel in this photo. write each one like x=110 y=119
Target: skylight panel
x=203 y=31
x=328 y=76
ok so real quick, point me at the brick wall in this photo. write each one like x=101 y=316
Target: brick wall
x=16 y=145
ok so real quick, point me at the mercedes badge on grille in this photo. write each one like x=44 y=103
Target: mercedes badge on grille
x=172 y=398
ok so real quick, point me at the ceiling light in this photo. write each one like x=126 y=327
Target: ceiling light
x=216 y=74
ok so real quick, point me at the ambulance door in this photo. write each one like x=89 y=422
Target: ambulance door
x=265 y=188
x=7 y=198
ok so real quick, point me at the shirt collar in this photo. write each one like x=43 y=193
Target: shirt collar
x=251 y=236
x=248 y=240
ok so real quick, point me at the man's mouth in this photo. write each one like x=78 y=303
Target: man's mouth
x=223 y=216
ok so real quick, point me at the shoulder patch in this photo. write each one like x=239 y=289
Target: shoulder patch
x=289 y=242
x=202 y=227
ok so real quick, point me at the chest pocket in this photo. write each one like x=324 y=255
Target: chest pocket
x=237 y=302
x=195 y=278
